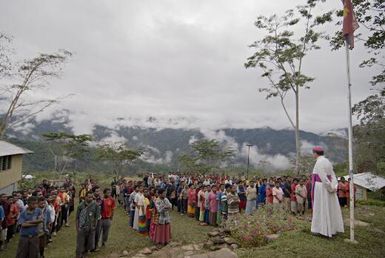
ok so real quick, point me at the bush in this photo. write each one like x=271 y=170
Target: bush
x=252 y=229
x=371 y=202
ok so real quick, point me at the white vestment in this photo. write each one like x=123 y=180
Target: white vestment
x=139 y=201
x=327 y=216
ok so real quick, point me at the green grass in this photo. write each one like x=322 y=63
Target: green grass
x=303 y=244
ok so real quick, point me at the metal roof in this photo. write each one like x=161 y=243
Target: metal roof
x=7 y=149
x=368 y=180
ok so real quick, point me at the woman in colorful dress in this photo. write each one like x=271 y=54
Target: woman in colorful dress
x=220 y=206
x=191 y=201
x=154 y=216
x=213 y=203
x=163 y=228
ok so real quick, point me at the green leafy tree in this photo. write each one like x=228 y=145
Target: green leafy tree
x=67 y=148
x=279 y=56
x=206 y=156
x=118 y=154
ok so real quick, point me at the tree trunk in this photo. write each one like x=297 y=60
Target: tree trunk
x=297 y=138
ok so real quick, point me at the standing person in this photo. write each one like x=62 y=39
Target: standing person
x=277 y=193
x=107 y=213
x=87 y=215
x=131 y=206
x=43 y=229
x=29 y=220
x=232 y=207
x=293 y=199
x=202 y=204
x=4 y=226
x=82 y=192
x=286 y=187
x=224 y=203
x=12 y=217
x=213 y=206
x=98 y=229
x=162 y=228
x=327 y=217
x=341 y=192
x=241 y=191
x=309 y=193
x=220 y=207
x=191 y=201
x=347 y=192
x=184 y=194
x=207 y=206
x=154 y=216
x=148 y=203
x=251 y=196
x=269 y=193
x=139 y=207
x=197 y=206
x=50 y=218
x=301 y=194
x=262 y=193
x=142 y=221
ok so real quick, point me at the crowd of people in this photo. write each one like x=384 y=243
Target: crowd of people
x=210 y=199
x=36 y=215
x=218 y=200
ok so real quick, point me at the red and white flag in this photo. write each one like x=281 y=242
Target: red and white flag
x=350 y=23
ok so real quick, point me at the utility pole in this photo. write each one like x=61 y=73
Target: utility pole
x=248 y=160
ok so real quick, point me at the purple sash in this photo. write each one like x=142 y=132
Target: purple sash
x=316 y=178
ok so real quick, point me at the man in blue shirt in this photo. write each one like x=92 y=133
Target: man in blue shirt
x=29 y=240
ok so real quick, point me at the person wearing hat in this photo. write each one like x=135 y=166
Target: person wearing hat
x=327 y=216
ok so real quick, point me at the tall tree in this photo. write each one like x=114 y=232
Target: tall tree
x=22 y=81
x=118 y=154
x=5 y=53
x=67 y=147
x=206 y=155
x=280 y=55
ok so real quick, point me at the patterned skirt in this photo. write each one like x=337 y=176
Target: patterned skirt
x=219 y=217
x=142 y=224
x=190 y=211
x=162 y=234
x=152 y=231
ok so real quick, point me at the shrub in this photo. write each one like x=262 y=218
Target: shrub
x=252 y=229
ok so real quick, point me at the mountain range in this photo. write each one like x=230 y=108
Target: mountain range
x=163 y=145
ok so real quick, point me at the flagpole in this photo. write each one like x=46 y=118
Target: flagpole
x=350 y=137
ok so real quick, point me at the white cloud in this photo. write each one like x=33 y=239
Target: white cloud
x=171 y=60
x=278 y=161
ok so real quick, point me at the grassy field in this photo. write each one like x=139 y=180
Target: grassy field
x=371 y=240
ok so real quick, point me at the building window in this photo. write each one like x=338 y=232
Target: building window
x=5 y=163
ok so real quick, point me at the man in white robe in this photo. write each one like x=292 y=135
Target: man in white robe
x=327 y=216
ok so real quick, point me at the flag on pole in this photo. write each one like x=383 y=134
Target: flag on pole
x=350 y=23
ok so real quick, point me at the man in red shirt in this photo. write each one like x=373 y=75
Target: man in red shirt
x=293 y=199
x=108 y=206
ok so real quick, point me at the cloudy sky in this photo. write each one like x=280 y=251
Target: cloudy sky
x=174 y=59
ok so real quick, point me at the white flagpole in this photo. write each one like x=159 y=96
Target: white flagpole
x=350 y=136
